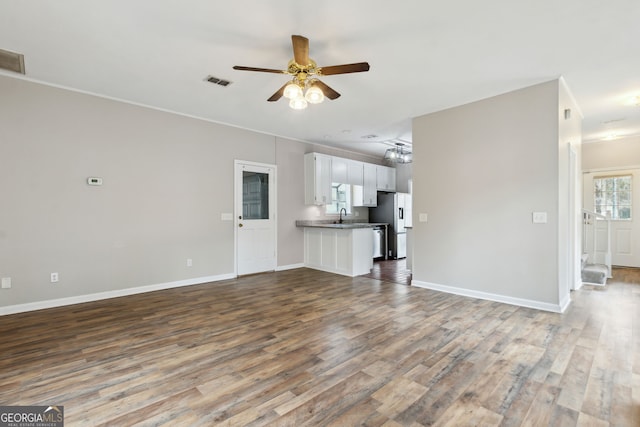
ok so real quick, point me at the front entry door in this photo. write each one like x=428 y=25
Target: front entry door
x=625 y=233
x=255 y=217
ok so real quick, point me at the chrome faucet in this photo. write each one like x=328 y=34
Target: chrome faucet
x=345 y=214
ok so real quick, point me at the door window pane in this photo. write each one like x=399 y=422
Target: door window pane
x=255 y=195
x=612 y=196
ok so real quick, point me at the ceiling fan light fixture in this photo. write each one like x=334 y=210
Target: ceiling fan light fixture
x=292 y=91
x=314 y=95
x=298 y=103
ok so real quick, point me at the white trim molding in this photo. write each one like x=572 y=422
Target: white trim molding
x=521 y=302
x=289 y=267
x=79 y=299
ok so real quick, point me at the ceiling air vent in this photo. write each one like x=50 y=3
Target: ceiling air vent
x=12 y=61
x=220 y=82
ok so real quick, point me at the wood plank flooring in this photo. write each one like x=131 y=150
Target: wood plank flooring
x=391 y=270
x=304 y=347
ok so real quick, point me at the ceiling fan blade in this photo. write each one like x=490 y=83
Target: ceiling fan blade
x=264 y=70
x=300 y=50
x=278 y=94
x=358 y=67
x=328 y=92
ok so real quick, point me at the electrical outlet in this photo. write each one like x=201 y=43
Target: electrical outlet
x=189 y=262
x=54 y=277
x=423 y=217
x=539 y=217
x=6 y=282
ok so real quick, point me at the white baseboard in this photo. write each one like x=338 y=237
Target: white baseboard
x=59 y=302
x=600 y=285
x=577 y=285
x=564 y=304
x=521 y=302
x=289 y=267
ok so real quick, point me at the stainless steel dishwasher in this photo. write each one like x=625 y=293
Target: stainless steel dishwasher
x=378 y=242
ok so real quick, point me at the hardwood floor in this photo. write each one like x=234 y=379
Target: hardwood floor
x=391 y=270
x=303 y=347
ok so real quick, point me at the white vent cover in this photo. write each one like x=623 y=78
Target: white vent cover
x=220 y=82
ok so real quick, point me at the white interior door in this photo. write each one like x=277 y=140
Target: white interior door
x=625 y=234
x=255 y=214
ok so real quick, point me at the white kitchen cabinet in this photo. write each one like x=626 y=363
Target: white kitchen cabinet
x=366 y=194
x=347 y=252
x=346 y=171
x=355 y=172
x=370 y=193
x=321 y=170
x=385 y=178
x=339 y=170
x=317 y=179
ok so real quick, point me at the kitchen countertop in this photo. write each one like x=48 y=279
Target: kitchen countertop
x=343 y=226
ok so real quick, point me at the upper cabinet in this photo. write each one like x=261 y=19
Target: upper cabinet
x=365 y=193
x=385 y=178
x=317 y=179
x=370 y=193
x=345 y=171
x=339 y=170
x=355 y=171
x=321 y=170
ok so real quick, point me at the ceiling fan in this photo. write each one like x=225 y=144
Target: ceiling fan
x=305 y=87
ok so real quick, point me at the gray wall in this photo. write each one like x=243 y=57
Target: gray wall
x=484 y=168
x=167 y=180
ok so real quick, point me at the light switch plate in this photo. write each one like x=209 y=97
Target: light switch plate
x=539 y=217
x=423 y=217
x=226 y=217
x=6 y=282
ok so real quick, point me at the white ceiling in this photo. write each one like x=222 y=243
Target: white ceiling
x=425 y=56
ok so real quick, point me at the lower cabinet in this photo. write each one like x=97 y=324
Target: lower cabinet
x=342 y=251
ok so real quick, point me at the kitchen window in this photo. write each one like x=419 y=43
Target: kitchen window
x=340 y=198
x=612 y=196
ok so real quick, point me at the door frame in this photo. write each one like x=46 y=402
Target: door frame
x=237 y=184
x=575 y=214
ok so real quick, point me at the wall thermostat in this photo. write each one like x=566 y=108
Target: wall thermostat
x=94 y=180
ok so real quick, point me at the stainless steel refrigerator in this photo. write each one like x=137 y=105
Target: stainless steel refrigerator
x=392 y=209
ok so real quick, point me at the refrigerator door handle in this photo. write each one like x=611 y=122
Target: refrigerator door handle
x=401 y=213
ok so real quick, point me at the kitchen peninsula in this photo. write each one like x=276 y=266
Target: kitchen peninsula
x=345 y=249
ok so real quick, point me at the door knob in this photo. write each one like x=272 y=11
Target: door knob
x=240 y=225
